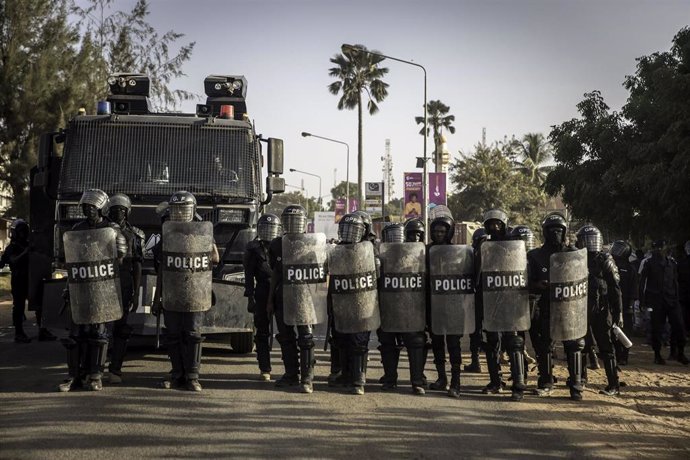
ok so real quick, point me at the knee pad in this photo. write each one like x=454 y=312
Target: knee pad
x=515 y=343
x=415 y=340
x=572 y=346
x=192 y=337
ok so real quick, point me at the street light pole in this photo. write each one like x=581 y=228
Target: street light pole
x=425 y=187
x=313 y=175
x=347 y=173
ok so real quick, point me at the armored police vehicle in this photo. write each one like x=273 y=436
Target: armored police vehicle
x=214 y=153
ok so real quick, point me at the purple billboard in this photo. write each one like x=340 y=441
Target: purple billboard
x=414 y=198
x=437 y=189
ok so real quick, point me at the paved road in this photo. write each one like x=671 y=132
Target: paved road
x=238 y=416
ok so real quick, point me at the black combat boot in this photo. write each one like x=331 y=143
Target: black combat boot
x=416 y=358
x=191 y=359
x=73 y=380
x=307 y=361
x=474 y=366
x=117 y=354
x=681 y=355
x=441 y=383
x=517 y=371
x=98 y=350
x=612 y=389
x=454 y=389
x=263 y=356
x=358 y=364
x=658 y=359
x=496 y=384
x=390 y=357
x=291 y=362
x=575 y=375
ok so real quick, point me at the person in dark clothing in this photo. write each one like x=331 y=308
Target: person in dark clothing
x=496 y=227
x=684 y=283
x=621 y=251
x=554 y=228
x=391 y=343
x=87 y=344
x=182 y=328
x=604 y=303
x=442 y=230
x=16 y=255
x=659 y=291
x=257 y=284
x=299 y=362
x=476 y=338
x=119 y=207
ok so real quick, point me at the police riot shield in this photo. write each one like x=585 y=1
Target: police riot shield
x=352 y=270
x=504 y=286
x=94 y=276
x=304 y=279
x=186 y=266
x=451 y=281
x=568 y=294
x=402 y=287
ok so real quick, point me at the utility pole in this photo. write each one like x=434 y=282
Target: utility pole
x=388 y=180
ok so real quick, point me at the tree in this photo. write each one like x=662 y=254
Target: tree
x=533 y=152
x=126 y=42
x=437 y=121
x=339 y=191
x=280 y=201
x=358 y=72
x=43 y=76
x=486 y=179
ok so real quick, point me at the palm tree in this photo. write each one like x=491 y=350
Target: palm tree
x=534 y=151
x=358 y=72
x=437 y=120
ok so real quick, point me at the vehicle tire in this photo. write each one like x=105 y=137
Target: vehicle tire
x=242 y=342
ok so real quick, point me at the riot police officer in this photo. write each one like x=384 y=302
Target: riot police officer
x=257 y=284
x=294 y=222
x=524 y=233
x=352 y=296
x=16 y=255
x=391 y=342
x=414 y=230
x=604 y=302
x=554 y=230
x=659 y=291
x=182 y=319
x=119 y=207
x=442 y=230
x=506 y=330
x=621 y=251
x=476 y=338
x=87 y=344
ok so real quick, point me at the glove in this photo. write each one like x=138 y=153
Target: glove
x=251 y=304
x=619 y=320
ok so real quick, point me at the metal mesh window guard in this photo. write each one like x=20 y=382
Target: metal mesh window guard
x=161 y=155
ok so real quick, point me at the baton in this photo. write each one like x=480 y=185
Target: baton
x=158 y=330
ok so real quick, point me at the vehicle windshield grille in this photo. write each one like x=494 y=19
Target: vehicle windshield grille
x=159 y=158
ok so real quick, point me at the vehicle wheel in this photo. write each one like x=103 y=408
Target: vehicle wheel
x=242 y=342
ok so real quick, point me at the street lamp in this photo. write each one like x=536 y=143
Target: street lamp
x=425 y=191
x=313 y=175
x=347 y=173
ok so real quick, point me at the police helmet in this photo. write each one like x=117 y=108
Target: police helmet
x=658 y=244
x=95 y=197
x=182 y=206
x=294 y=219
x=414 y=230
x=120 y=199
x=19 y=229
x=351 y=228
x=523 y=232
x=477 y=236
x=446 y=222
x=393 y=233
x=268 y=227
x=621 y=249
x=589 y=237
x=495 y=214
x=366 y=218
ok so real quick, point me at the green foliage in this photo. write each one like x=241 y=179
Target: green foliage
x=532 y=152
x=126 y=42
x=280 y=201
x=339 y=192
x=486 y=179
x=40 y=58
x=628 y=173
x=358 y=72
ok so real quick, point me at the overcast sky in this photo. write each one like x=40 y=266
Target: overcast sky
x=511 y=66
